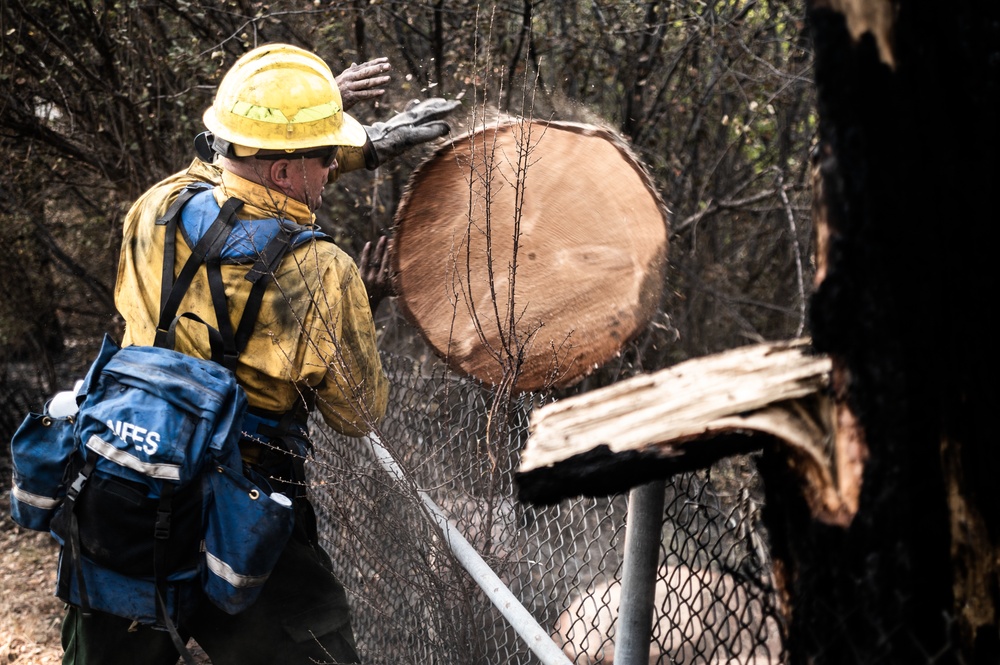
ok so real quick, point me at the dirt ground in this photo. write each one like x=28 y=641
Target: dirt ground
x=30 y=615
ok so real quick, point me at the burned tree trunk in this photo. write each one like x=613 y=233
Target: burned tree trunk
x=908 y=104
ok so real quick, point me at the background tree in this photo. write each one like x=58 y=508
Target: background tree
x=100 y=100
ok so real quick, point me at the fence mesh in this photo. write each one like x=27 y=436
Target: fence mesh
x=414 y=603
x=460 y=446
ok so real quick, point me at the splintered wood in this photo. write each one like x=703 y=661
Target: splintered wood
x=687 y=416
x=527 y=253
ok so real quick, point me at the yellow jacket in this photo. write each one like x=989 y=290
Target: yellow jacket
x=315 y=327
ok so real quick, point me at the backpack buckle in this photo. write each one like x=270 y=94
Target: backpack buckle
x=161 y=530
x=73 y=491
x=77 y=486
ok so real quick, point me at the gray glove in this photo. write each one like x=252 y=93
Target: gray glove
x=419 y=123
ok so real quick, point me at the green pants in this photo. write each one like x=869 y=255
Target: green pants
x=301 y=616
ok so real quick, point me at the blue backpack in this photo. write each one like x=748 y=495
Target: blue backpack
x=144 y=487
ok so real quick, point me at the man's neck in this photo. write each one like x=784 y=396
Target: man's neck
x=262 y=199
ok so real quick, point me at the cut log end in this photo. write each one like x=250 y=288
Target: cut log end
x=521 y=263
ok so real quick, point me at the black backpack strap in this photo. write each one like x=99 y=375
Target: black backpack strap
x=175 y=636
x=214 y=336
x=183 y=197
x=75 y=555
x=217 y=289
x=260 y=275
x=169 y=219
x=210 y=244
x=161 y=543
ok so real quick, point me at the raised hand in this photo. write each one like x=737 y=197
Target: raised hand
x=422 y=121
x=360 y=83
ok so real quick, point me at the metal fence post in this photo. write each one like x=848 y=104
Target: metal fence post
x=642 y=558
x=535 y=637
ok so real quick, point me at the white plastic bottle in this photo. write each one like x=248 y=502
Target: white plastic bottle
x=281 y=500
x=63 y=404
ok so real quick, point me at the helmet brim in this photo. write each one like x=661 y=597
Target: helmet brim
x=350 y=132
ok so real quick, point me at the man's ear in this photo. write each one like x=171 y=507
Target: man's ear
x=281 y=175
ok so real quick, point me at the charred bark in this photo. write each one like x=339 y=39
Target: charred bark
x=908 y=97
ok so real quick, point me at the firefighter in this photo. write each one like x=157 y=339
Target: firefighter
x=277 y=133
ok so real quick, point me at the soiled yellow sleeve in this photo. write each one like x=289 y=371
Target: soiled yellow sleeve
x=341 y=360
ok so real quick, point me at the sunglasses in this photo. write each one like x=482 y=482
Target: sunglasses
x=326 y=154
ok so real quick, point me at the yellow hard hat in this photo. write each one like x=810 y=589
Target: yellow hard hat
x=281 y=97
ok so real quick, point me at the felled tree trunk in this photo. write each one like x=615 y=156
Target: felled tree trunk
x=520 y=263
x=909 y=107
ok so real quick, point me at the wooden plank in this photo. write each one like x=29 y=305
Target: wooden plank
x=683 y=417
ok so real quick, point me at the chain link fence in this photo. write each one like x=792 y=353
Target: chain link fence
x=459 y=445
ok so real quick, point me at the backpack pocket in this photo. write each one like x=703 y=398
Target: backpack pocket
x=41 y=449
x=139 y=432
x=118 y=528
x=246 y=530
